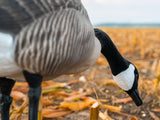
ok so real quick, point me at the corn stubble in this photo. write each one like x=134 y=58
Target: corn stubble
x=140 y=45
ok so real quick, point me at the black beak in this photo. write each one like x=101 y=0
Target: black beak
x=134 y=94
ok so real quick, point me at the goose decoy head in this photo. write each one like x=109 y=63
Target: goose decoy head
x=128 y=81
x=124 y=72
x=133 y=92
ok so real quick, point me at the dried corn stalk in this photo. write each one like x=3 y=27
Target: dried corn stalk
x=94 y=111
x=158 y=76
x=40 y=108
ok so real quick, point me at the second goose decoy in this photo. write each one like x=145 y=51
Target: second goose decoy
x=49 y=38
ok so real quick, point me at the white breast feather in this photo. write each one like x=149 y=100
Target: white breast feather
x=7 y=64
x=125 y=79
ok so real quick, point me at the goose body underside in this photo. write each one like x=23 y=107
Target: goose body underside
x=9 y=68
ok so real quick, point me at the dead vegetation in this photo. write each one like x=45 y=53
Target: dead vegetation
x=69 y=95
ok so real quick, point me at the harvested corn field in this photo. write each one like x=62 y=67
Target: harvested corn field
x=70 y=97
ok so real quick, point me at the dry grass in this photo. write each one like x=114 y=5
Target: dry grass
x=139 y=45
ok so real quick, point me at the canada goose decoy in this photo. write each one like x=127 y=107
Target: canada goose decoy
x=48 y=38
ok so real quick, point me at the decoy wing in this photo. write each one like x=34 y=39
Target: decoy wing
x=16 y=14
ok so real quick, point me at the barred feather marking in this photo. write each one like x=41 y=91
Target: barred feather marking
x=53 y=49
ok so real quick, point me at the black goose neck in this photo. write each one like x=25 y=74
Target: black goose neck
x=116 y=61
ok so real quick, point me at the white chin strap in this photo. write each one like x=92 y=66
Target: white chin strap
x=125 y=79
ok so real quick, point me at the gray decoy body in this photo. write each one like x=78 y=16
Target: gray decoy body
x=49 y=38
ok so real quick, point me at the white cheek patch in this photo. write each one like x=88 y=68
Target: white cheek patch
x=125 y=79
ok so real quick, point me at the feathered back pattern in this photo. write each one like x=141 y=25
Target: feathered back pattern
x=56 y=42
x=16 y=14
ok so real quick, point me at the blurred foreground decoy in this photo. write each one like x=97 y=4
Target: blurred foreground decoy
x=49 y=38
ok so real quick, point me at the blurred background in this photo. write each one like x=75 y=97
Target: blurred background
x=123 y=11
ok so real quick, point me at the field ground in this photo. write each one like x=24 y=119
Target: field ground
x=71 y=101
